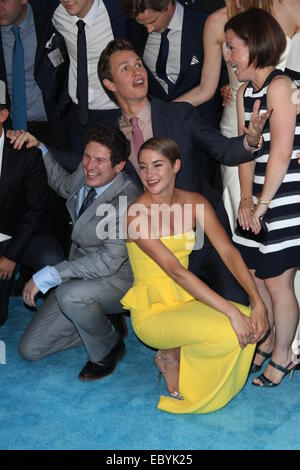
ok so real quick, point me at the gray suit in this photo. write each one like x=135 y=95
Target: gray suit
x=94 y=279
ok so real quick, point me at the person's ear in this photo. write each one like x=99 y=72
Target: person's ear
x=4 y=113
x=109 y=84
x=119 y=167
x=177 y=165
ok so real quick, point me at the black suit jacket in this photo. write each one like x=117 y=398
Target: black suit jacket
x=42 y=14
x=23 y=197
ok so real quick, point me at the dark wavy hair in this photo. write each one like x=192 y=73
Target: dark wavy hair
x=113 y=139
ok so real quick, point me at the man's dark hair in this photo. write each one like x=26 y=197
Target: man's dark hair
x=3 y=106
x=104 y=71
x=114 y=140
x=132 y=8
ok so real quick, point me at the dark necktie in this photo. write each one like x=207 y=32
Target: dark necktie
x=87 y=201
x=137 y=136
x=82 y=75
x=19 y=107
x=161 y=63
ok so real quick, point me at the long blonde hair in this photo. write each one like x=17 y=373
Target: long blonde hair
x=232 y=9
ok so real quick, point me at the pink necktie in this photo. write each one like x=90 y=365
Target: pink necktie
x=137 y=136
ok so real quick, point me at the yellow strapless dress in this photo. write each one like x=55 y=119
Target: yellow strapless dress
x=213 y=368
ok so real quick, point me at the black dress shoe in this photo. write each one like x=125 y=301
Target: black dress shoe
x=119 y=323
x=98 y=370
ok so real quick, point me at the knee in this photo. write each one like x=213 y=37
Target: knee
x=26 y=349
x=70 y=294
x=273 y=287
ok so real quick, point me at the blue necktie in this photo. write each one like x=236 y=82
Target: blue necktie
x=161 y=63
x=19 y=107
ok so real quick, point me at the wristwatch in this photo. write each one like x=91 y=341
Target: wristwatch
x=258 y=145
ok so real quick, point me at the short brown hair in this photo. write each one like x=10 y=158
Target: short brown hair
x=163 y=145
x=104 y=71
x=263 y=35
x=132 y=8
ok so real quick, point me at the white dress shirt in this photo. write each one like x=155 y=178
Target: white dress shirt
x=98 y=33
x=153 y=45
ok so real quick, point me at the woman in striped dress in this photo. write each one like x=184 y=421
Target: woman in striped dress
x=270 y=185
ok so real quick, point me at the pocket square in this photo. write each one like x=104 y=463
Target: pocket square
x=195 y=60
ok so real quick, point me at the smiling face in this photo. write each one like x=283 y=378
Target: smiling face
x=129 y=78
x=156 y=171
x=237 y=56
x=78 y=8
x=12 y=12
x=97 y=166
x=156 y=21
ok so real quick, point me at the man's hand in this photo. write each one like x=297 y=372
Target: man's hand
x=29 y=292
x=226 y=94
x=19 y=138
x=298 y=156
x=7 y=268
x=256 y=124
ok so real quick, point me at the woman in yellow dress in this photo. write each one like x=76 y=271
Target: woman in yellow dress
x=205 y=342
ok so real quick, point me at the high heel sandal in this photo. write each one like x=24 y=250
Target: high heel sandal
x=161 y=356
x=255 y=367
x=268 y=383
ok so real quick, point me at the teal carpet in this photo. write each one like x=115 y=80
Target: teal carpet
x=43 y=405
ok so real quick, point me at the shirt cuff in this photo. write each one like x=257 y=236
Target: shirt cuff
x=47 y=278
x=252 y=149
x=43 y=148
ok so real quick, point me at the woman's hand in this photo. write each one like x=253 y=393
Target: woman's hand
x=259 y=211
x=260 y=322
x=19 y=138
x=226 y=94
x=245 y=212
x=243 y=328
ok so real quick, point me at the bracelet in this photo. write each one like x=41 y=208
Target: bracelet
x=259 y=201
x=247 y=198
x=258 y=145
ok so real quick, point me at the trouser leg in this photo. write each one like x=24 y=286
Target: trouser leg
x=86 y=303
x=48 y=332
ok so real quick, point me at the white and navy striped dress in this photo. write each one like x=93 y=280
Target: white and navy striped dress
x=281 y=248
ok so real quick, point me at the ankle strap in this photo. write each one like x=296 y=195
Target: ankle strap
x=279 y=367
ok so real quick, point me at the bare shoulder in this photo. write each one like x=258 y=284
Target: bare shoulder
x=280 y=84
x=215 y=24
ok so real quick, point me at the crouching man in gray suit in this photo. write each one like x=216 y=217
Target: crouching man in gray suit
x=97 y=273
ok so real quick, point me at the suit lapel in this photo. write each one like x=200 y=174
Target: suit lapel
x=188 y=36
x=105 y=198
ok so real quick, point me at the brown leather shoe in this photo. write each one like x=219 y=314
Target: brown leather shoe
x=98 y=370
